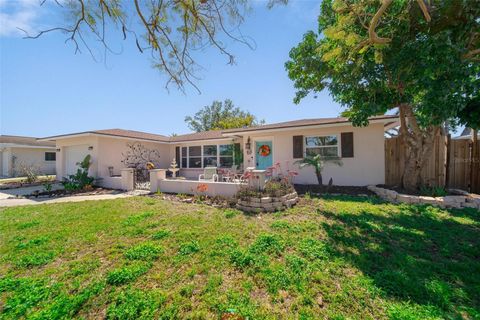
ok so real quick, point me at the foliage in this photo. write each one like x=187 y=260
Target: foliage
x=433 y=191
x=144 y=251
x=81 y=179
x=328 y=257
x=318 y=162
x=221 y=115
x=422 y=67
x=29 y=171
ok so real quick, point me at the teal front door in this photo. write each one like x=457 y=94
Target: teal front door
x=263 y=154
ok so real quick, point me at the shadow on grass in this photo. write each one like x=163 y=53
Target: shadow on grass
x=417 y=254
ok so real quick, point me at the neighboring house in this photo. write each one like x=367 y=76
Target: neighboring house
x=467 y=134
x=361 y=149
x=16 y=152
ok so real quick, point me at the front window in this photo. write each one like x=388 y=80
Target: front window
x=50 y=156
x=195 y=157
x=210 y=156
x=226 y=155
x=184 y=157
x=326 y=146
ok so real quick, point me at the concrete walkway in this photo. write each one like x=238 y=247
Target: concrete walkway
x=35 y=201
x=23 y=191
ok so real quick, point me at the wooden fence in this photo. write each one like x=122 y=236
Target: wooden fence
x=451 y=163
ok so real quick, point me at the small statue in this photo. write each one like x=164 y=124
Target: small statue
x=174 y=168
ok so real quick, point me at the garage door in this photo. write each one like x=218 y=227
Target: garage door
x=73 y=155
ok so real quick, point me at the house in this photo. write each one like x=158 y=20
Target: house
x=361 y=149
x=16 y=152
x=466 y=134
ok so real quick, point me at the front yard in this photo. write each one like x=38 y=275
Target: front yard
x=333 y=257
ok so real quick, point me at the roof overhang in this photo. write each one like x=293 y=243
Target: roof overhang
x=24 y=146
x=97 y=134
x=389 y=120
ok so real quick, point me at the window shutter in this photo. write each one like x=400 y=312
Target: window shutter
x=177 y=155
x=297 y=147
x=347 y=144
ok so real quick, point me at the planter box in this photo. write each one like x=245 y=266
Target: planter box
x=268 y=204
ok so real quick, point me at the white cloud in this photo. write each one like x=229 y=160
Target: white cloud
x=18 y=14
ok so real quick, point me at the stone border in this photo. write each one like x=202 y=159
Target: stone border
x=464 y=200
x=268 y=204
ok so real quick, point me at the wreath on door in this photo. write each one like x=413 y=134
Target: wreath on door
x=264 y=150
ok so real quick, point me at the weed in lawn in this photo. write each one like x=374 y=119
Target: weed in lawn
x=35 y=259
x=230 y=213
x=144 y=251
x=268 y=243
x=313 y=249
x=82 y=267
x=280 y=224
x=135 y=219
x=127 y=274
x=135 y=304
x=188 y=248
x=223 y=245
x=27 y=225
x=33 y=242
x=159 y=235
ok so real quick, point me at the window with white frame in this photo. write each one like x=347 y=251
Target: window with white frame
x=195 y=157
x=210 y=156
x=184 y=157
x=226 y=155
x=221 y=155
x=326 y=146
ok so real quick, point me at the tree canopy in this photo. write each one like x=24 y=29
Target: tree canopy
x=172 y=31
x=221 y=115
x=376 y=56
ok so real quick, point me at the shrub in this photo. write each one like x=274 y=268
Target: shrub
x=161 y=234
x=433 y=191
x=81 y=179
x=144 y=251
x=29 y=171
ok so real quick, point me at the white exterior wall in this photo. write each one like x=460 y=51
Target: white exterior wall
x=13 y=157
x=87 y=141
x=365 y=168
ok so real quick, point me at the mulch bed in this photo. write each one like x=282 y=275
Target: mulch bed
x=347 y=190
x=411 y=193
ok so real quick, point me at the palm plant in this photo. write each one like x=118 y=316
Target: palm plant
x=318 y=162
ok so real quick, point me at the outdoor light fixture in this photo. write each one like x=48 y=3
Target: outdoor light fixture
x=58 y=150
x=90 y=148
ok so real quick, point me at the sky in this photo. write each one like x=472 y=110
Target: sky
x=47 y=89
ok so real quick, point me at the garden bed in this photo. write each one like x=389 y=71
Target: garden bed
x=67 y=193
x=318 y=189
x=267 y=203
x=456 y=198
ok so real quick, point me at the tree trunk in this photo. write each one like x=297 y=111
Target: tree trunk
x=418 y=144
x=319 y=177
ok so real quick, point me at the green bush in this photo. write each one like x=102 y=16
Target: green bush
x=161 y=234
x=81 y=179
x=135 y=304
x=188 y=248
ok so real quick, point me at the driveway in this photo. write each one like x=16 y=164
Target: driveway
x=23 y=191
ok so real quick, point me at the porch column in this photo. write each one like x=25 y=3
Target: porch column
x=127 y=179
x=156 y=175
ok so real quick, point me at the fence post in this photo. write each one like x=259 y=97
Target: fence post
x=156 y=175
x=127 y=179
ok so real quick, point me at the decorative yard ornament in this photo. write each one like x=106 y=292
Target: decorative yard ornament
x=140 y=157
x=264 y=150
x=173 y=168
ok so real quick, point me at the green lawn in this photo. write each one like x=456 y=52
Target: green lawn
x=335 y=257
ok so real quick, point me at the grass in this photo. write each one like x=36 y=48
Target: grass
x=332 y=257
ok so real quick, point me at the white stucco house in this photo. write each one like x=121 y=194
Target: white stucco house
x=16 y=151
x=360 y=148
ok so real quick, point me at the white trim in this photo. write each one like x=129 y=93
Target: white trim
x=23 y=146
x=301 y=127
x=338 y=145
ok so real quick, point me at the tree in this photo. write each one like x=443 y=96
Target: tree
x=374 y=57
x=318 y=162
x=220 y=115
x=171 y=30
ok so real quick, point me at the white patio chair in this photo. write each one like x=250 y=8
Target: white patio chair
x=209 y=174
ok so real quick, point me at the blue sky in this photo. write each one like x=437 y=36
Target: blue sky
x=46 y=89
